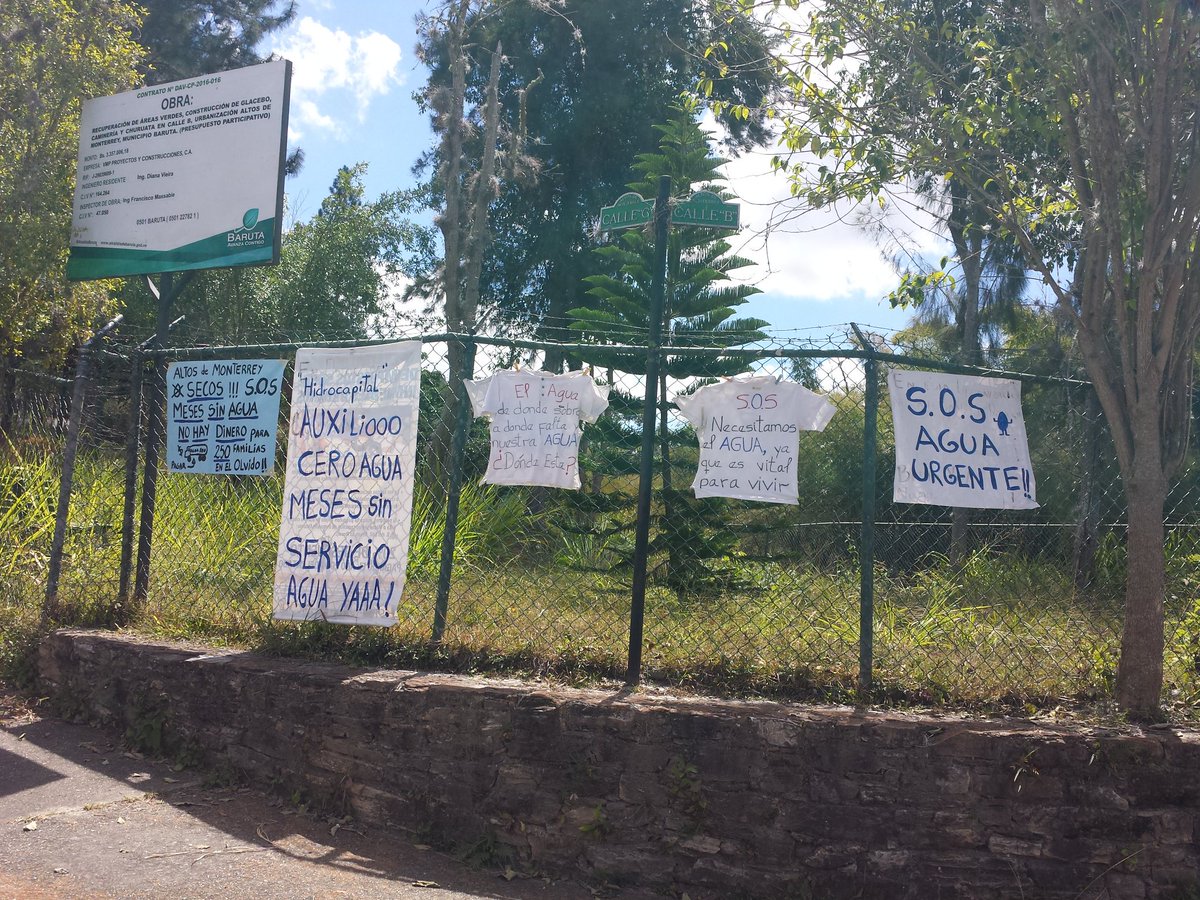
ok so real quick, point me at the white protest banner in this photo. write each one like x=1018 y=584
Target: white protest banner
x=535 y=424
x=960 y=441
x=185 y=175
x=749 y=436
x=348 y=487
x=222 y=415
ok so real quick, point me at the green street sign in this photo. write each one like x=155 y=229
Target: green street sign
x=630 y=211
x=705 y=209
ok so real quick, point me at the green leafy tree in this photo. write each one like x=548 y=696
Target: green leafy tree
x=699 y=310
x=336 y=274
x=1074 y=124
x=53 y=55
x=582 y=86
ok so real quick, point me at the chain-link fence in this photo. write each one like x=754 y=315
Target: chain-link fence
x=959 y=605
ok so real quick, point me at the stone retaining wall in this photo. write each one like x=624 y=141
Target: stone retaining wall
x=708 y=797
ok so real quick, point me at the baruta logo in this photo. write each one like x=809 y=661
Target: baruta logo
x=247 y=235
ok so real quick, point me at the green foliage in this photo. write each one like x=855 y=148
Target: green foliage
x=583 y=85
x=56 y=53
x=1005 y=624
x=146 y=728
x=20 y=635
x=195 y=37
x=336 y=277
x=700 y=300
x=700 y=296
x=28 y=496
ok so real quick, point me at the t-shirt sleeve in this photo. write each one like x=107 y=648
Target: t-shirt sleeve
x=477 y=392
x=813 y=411
x=593 y=401
x=692 y=406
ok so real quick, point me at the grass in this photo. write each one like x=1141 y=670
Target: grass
x=998 y=628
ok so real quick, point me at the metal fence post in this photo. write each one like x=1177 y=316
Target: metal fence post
x=67 y=478
x=641 y=547
x=155 y=429
x=462 y=425
x=136 y=377
x=131 y=465
x=866 y=538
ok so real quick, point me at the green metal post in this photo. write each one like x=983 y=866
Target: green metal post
x=156 y=426
x=67 y=478
x=641 y=545
x=136 y=374
x=866 y=539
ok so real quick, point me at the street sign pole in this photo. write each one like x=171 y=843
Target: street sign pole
x=649 y=420
x=702 y=210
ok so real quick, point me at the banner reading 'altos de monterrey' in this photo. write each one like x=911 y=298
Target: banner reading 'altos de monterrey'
x=186 y=175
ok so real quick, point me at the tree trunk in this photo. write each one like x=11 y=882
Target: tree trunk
x=8 y=401
x=968 y=244
x=1140 y=672
x=464 y=226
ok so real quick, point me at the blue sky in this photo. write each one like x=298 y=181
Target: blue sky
x=354 y=72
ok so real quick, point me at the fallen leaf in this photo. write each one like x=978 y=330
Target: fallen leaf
x=169 y=780
x=120 y=820
x=422 y=847
x=60 y=871
x=334 y=830
x=132 y=754
x=509 y=874
x=429 y=884
x=30 y=826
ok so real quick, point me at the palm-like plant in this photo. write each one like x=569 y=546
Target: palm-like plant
x=699 y=311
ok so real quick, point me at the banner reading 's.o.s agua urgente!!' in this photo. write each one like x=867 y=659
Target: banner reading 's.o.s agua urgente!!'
x=960 y=441
x=180 y=176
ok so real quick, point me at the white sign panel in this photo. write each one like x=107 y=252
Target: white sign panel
x=222 y=415
x=960 y=441
x=535 y=424
x=347 y=491
x=749 y=436
x=186 y=175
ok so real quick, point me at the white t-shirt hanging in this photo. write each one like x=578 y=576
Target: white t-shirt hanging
x=749 y=436
x=535 y=424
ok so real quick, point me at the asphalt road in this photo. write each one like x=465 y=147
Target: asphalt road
x=83 y=817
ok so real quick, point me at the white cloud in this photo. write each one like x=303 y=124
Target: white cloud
x=823 y=255
x=819 y=254
x=310 y=114
x=333 y=70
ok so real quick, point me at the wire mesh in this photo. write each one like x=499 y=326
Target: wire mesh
x=969 y=606
x=34 y=419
